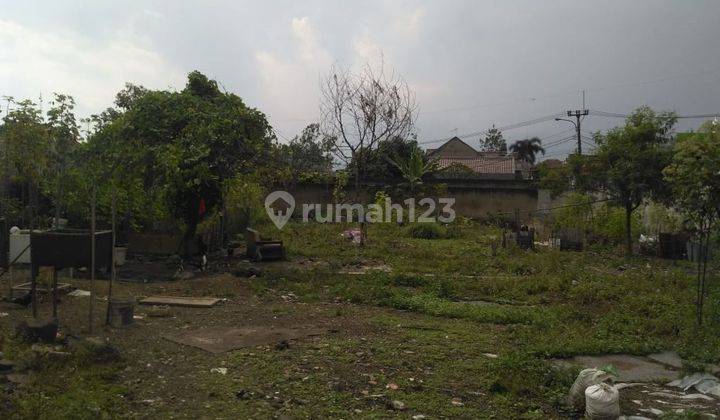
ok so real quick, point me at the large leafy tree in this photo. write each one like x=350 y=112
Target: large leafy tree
x=64 y=135
x=694 y=176
x=493 y=141
x=307 y=154
x=528 y=149
x=185 y=146
x=629 y=161
x=27 y=149
x=379 y=164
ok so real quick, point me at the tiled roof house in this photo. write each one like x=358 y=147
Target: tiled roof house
x=457 y=152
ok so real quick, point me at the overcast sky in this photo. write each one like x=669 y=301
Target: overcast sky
x=471 y=63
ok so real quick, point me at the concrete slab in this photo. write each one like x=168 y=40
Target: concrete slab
x=193 y=302
x=222 y=339
x=669 y=358
x=629 y=368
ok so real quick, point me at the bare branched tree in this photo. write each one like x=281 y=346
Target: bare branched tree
x=360 y=110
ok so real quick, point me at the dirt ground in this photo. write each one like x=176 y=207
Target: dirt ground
x=360 y=360
x=161 y=373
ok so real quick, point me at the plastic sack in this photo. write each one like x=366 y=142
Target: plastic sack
x=586 y=378
x=602 y=401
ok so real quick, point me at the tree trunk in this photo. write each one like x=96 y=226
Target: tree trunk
x=628 y=228
x=700 y=282
x=363 y=231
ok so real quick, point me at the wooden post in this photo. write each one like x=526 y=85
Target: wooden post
x=112 y=259
x=33 y=289
x=92 y=258
x=55 y=293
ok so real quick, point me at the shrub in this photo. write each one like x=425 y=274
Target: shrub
x=409 y=280
x=426 y=231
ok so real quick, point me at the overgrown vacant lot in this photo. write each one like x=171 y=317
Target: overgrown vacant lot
x=416 y=321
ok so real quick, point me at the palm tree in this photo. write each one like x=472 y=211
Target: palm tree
x=527 y=149
x=414 y=168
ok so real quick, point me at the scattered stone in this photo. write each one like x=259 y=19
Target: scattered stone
x=653 y=411
x=244 y=394
x=282 y=345
x=220 y=370
x=6 y=365
x=23 y=300
x=183 y=275
x=419 y=417
x=49 y=352
x=247 y=270
x=490 y=355
x=457 y=402
x=18 y=378
x=35 y=330
x=397 y=405
x=624 y=385
x=392 y=386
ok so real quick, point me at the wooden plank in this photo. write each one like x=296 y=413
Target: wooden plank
x=25 y=287
x=193 y=302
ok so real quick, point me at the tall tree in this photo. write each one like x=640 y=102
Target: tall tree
x=306 y=154
x=493 y=141
x=27 y=151
x=527 y=149
x=694 y=176
x=64 y=134
x=187 y=145
x=360 y=110
x=629 y=161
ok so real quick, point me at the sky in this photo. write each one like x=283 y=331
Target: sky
x=471 y=64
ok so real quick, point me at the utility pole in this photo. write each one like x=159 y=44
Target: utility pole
x=577 y=114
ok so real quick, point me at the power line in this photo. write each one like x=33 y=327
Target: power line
x=501 y=129
x=558 y=142
x=618 y=115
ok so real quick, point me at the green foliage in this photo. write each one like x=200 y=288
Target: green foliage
x=527 y=149
x=695 y=180
x=414 y=167
x=426 y=231
x=693 y=175
x=600 y=220
x=341 y=180
x=409 y=280
x=662 y=219
x=629 y=161
x=379 y=164
x=493 y=141
x=245 y=203
x=306 y=157
x=181 y=147
x=556 y=179
x=575 y=213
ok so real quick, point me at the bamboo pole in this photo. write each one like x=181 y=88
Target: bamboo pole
x=92 y=257
x=112 y=259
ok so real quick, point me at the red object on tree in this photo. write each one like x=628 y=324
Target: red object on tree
x=202 y=209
